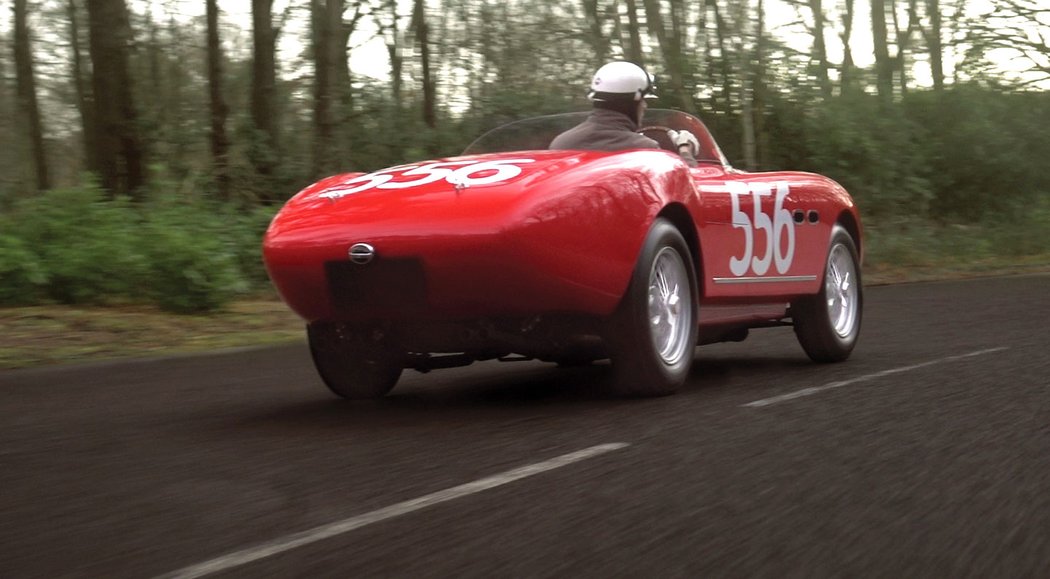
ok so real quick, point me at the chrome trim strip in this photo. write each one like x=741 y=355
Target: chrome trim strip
x=768 y=279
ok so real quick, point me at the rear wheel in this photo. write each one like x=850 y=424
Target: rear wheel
x=653 y=333
x=828 y=324
x=353 y=366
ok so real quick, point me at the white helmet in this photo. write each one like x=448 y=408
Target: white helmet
x=621 y=81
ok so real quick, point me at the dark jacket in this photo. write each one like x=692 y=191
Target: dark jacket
x=604 y=130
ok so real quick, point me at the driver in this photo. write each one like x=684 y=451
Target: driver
x=618 y=92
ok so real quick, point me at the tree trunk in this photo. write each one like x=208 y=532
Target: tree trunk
x=634 y=52
x=747 y=124
x=26 y=91
x=599 y=43
x=119 y=158
x=419 y=20
x=933 y=43
x=321 y=27
x=904 y=43
x=154 y=105
x=883 y=63
x=342 y=87
x=759 y=90
x=264 y=88
x=820 y=51
x=670 y=50
x=343 y=80
x=395 y=51
x=846 y=77
x=85 y=102
x=220 y=144
x=722 y=33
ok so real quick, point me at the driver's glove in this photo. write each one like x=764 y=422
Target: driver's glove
x=684 y=138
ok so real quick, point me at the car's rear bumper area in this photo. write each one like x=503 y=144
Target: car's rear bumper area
x=462 y=277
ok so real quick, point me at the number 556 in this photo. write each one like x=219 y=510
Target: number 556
x=776 y=228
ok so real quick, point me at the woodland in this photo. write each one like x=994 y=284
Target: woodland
x=147 y=143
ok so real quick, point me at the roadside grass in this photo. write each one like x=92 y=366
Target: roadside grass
x=907 y=250
x=61 y=334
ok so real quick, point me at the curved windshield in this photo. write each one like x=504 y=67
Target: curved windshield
x=536 y=133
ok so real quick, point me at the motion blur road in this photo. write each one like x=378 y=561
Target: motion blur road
x=927 y=454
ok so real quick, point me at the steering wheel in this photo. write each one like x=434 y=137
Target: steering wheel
x=659 y=134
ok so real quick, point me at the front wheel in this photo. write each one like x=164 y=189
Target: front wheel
x=652 y=335
x=827 y=324
x=353 y=366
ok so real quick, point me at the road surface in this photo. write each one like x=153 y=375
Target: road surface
x=927 y=454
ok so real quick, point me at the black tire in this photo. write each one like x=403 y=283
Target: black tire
x=351 y=366
x=644 y=363
x=826 y=325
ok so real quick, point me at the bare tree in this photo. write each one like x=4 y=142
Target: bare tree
x=820 y=51
x=326 y=19
x=595 y=36
x=904 y=38
x=742 y=18
x=846 y=74
x=119 y=157
x=880 y=37
x=26 y=91
x=634 y=49
x=264 y=87
x=758 y=75
x=722 y=35
x=933 y=36
x=220 y=143
x=419 y=24
x=1020 y=28
x=395 y=52
x=670 y=43
x=81 y=86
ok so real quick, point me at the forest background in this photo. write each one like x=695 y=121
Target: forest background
x=146 y=144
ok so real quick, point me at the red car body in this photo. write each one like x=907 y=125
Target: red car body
x=530 y=234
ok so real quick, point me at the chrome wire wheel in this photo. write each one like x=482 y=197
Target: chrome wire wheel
x=670 y=306
x=828 y=323
x=841 y=290
x=651 y=336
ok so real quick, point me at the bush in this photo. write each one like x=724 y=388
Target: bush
x=870 y=147
x=986 y=150
x=193 y=258
x=75 y=246
x=88 y=246
x=23 y=276
x=245 y=232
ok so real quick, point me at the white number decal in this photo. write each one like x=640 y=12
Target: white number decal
x=762 y=221
x=782 y=222
x=739 y=265
x=500 y=170
x=775 y=229
x=430 y=173
x=363 y=182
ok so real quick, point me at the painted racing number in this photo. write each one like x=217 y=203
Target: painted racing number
x=457 y=173
x=776 y=229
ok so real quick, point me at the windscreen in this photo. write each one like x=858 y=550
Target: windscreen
x=536 y=133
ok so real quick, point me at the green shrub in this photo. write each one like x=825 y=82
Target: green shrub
x=245 y=232
x=193 y=259
x=21 y=276
x=87 y=245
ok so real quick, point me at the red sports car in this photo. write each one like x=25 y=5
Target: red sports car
x=512 y=251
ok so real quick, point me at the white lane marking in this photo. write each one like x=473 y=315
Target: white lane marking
x=818 y=389
x=289 y=542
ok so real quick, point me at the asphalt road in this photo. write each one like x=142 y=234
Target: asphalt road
x=927 y=454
